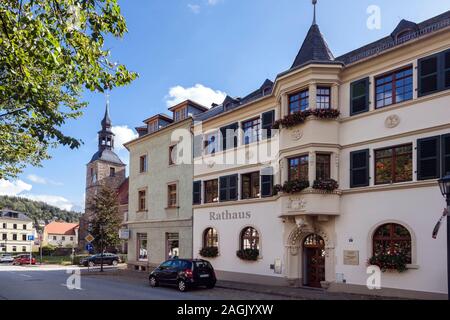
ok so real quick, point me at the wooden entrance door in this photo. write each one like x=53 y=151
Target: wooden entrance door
x=314 y=248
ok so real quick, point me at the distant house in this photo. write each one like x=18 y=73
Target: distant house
x=15 y=227
x=61 y=234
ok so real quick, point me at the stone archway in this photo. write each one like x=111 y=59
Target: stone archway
x=294 y=254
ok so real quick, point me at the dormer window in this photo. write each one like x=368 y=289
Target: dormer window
x=181 y=114
x=266 y=91
x=153 y=126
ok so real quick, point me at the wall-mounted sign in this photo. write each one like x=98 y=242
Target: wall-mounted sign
x=351 y=258
x=230 y=215
x=124 y=234
x=277 y=266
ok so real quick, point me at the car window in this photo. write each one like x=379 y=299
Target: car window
x=166 y=264
x=203 y=265
x=185 y=265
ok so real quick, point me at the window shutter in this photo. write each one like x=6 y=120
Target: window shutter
x=223 y=187
x=228 y=133
x=446 y=73
x=198 y=146
x=233 y=188
x=359 y=96
x=268 y=118
x=446 y=155
x=197 y=191
x=428 y=75
x=359 y=168
x=266 y=185
x=428 y=158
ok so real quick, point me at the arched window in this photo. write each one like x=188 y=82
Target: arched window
x=392 y=239
x=210 y=238
x=249 y=239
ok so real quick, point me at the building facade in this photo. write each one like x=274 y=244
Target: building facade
x=160 y=193
x=61 y=234
x=15 y=227
x=104 y=169
x=357 y=145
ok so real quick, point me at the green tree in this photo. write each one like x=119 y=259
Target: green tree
x=50 y=51
x=105 y=221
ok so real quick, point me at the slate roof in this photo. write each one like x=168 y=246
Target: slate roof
x=15 y=215
x=108 y=156
x=106 y=122
x=313 y=49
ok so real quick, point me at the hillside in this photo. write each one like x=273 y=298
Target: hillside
x=38 y=210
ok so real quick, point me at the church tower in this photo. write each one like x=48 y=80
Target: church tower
x=105 y=168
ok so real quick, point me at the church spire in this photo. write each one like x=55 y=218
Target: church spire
x=314 y=2
x=105 y=135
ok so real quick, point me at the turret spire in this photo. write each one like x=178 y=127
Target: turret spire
x=314 y=2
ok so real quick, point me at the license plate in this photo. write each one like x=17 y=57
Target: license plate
x=204 y=276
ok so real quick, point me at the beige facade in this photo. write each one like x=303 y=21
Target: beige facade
x=160 y=227
x=14 y=229
x=345 y=227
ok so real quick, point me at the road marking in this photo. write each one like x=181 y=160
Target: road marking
x=25 y=275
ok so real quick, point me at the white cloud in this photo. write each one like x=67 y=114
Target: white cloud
x=123 y=135
x=198 y=93
x=40 y=180
x=56 y=201
x=195 y=8
x=8 y=188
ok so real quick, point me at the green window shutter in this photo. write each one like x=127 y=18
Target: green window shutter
x=445 y=155
x=428 y=158
x=359 y=96
x=268 y=119
x=197 y=191
x=359 y=168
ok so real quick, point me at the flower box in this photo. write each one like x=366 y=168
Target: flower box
x=209 y=252
x=328 y=185
x=297 y=118
x=248 y=254
x=390 y=262
x=293 y=186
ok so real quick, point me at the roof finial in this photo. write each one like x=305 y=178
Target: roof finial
x=314 y=2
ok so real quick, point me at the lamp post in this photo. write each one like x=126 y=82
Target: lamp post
x=101 y=248
x=444 y=184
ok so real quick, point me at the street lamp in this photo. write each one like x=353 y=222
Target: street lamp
x=444 y=184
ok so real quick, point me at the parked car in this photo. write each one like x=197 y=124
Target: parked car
x=185 y=274
x=108 y=258
x=23 y=259
x=6 y=258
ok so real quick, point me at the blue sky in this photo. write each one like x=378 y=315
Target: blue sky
x=203 y=49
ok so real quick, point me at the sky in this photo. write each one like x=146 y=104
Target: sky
x=202 y=50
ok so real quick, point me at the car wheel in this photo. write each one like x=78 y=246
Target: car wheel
x=182 y=286
x=153 y=282
x=115 y=263
x=91 y=264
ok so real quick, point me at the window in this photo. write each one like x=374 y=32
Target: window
x=359 y=96
x=93 y=176
x=446 y=155
x=299 y=168
x=24 y=237
x=229 y=136
x=4 y=226
x=172 y=195
x=394 y=87
x=393 y=164
x=172 y=155
x=249 y=239
x=4 y=236
x=181 y=114
x=173 y=247
x=24 y=249
x=142 y=247
x=14 y=226
x=71 y=238
x=112 y=172
x=24 y=227
x=250 y=185
x=268 y=119
x=63 y=238
x=299 y=102
x=323 y=97
x=434 y=73
x=392 y=239
x=428 y=158
x=323 y=166
x=211 y=191
x=142 y=200
x=153 y=126
x=359 y=169
x=211 y=143
x=143 y=164
x=14 y=249
x=54 y=238
x=14 y=237
x=210 y=238
x=197 y=192
x=267 y=182
x=228 y=188
x=251 y=130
